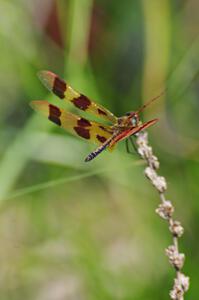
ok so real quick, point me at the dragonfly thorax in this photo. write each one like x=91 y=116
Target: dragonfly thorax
x=133 y=119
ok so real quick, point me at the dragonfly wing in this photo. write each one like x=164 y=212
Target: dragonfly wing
x=126 y=133
x=65 y=92
x=76 y=125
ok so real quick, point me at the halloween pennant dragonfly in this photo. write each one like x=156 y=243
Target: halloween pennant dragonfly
x=105 y=136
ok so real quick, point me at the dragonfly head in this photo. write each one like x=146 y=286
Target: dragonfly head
x=133 y=118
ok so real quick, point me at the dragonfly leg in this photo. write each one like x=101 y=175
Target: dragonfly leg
x=133 y=143
x=130 y=139
x=127 y=146
x=130 y=151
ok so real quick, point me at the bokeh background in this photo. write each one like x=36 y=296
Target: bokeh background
x=71 y=230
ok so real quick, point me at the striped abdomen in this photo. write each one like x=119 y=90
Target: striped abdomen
x=93 y=154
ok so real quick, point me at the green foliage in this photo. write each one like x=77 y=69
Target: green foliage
x=71 y=230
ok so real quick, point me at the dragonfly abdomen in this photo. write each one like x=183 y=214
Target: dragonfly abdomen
x=93 y=154
x=96 y=152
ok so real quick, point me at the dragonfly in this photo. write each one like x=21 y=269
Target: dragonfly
x=105 y=136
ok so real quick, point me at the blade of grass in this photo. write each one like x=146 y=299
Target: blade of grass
x=49 y=184
x=157 y=42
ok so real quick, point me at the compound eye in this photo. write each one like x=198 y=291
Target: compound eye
x=134 y=121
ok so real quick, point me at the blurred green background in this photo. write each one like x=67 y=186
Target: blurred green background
x=71 y=230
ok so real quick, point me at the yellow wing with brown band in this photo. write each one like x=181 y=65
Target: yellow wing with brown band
x=65 y=92
x=93 y=131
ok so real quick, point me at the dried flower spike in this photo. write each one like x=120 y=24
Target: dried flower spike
x=165 y=210
x=181 y=285
x=175 y=258
x=176 y=229
x=158 y=182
